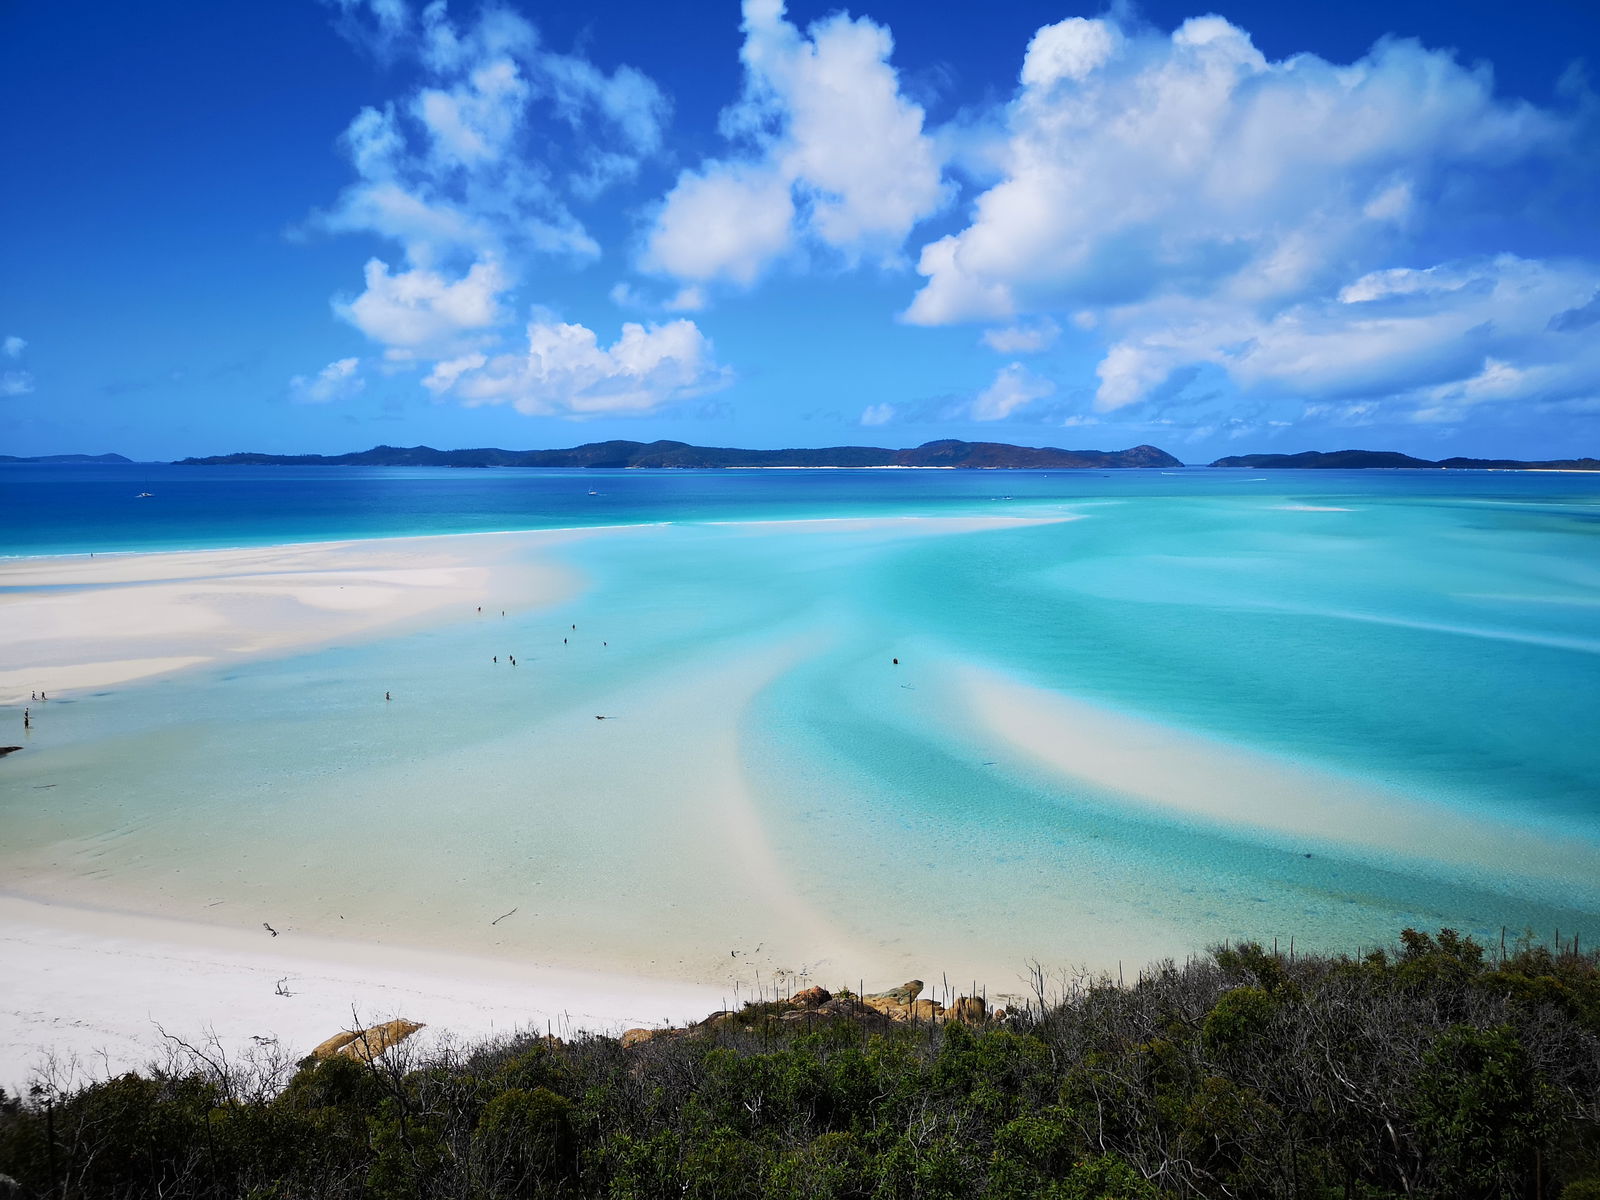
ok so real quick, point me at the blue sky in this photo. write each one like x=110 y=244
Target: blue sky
x=313 y=227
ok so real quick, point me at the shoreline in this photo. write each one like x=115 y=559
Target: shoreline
x=97 y=987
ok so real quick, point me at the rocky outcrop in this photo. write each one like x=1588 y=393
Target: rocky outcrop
x=818 y=1006
x=365 y=1045
x=902 y=995
x=972 y=1009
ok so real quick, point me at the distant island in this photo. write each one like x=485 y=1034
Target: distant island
x=66 y=458
x=614 y=454
x=944 y=453
x=1350 y=460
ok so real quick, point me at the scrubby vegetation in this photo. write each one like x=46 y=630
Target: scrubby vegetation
x=1433 y=1069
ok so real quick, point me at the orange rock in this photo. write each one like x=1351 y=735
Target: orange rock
x=812 y=997
x=364 y=1045
x=970 y=1008
x=333 y=1045
x=902 y=995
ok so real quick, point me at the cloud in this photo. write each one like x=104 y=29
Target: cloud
x=14 y=383
x=832 y=156
x=336 y=381
x=728 y=222
x=1574 y=319
x=473 y=174
x=1023 y=339
x=1138 y=165
x=374 y=25
x=566 y=372
x=1292 y=229
x=479 y=162
x=1015 y=387
x=417 y=312
x=877 y=414
x=1418 y=344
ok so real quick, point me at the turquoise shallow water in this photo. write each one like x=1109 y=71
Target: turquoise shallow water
x=1434 y=635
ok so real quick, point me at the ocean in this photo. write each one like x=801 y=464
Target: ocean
x=857 y=726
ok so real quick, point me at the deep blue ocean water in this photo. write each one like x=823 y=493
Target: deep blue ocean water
x=63 y=509
x=1436 y=634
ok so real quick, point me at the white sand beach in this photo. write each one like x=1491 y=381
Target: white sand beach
x=98 y=992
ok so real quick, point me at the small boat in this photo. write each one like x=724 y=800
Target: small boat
x=592 y=492
x=144 y=495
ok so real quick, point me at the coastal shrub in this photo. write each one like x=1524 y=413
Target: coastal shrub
x=1239 y=1015
x=724 y=1166
x=832 y=1167
x=523 y=1140
x=1481 y=1111
x=1030 y=1151
x=1440 y=1067
x=409 y=1157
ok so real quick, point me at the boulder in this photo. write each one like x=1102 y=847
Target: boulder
x=969 y=1008
x=333 y=1045
x=364 y=1045
x=638 y=1037
x=902 y=995
x=812 y=997
x=368 y=1044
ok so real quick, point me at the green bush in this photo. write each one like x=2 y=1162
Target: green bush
x=1431 y=1069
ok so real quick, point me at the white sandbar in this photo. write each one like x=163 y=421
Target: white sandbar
x=112 y=619
x=1174 y=771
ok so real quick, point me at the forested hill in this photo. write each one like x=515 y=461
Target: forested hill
x=65 y=458
x=1347 y=460
x=946 y=453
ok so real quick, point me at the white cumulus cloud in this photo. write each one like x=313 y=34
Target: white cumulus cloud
x=564 y=371
x=1212 y=215
x=473 y=172
x=1137 y=165
x=726 y=222
x=418 y=311
x=877 y=414
x=1026 y=338
x=1421 y=344
x=1014 y=387
x=336 y=381
x=835 y=156
x=13 y=346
